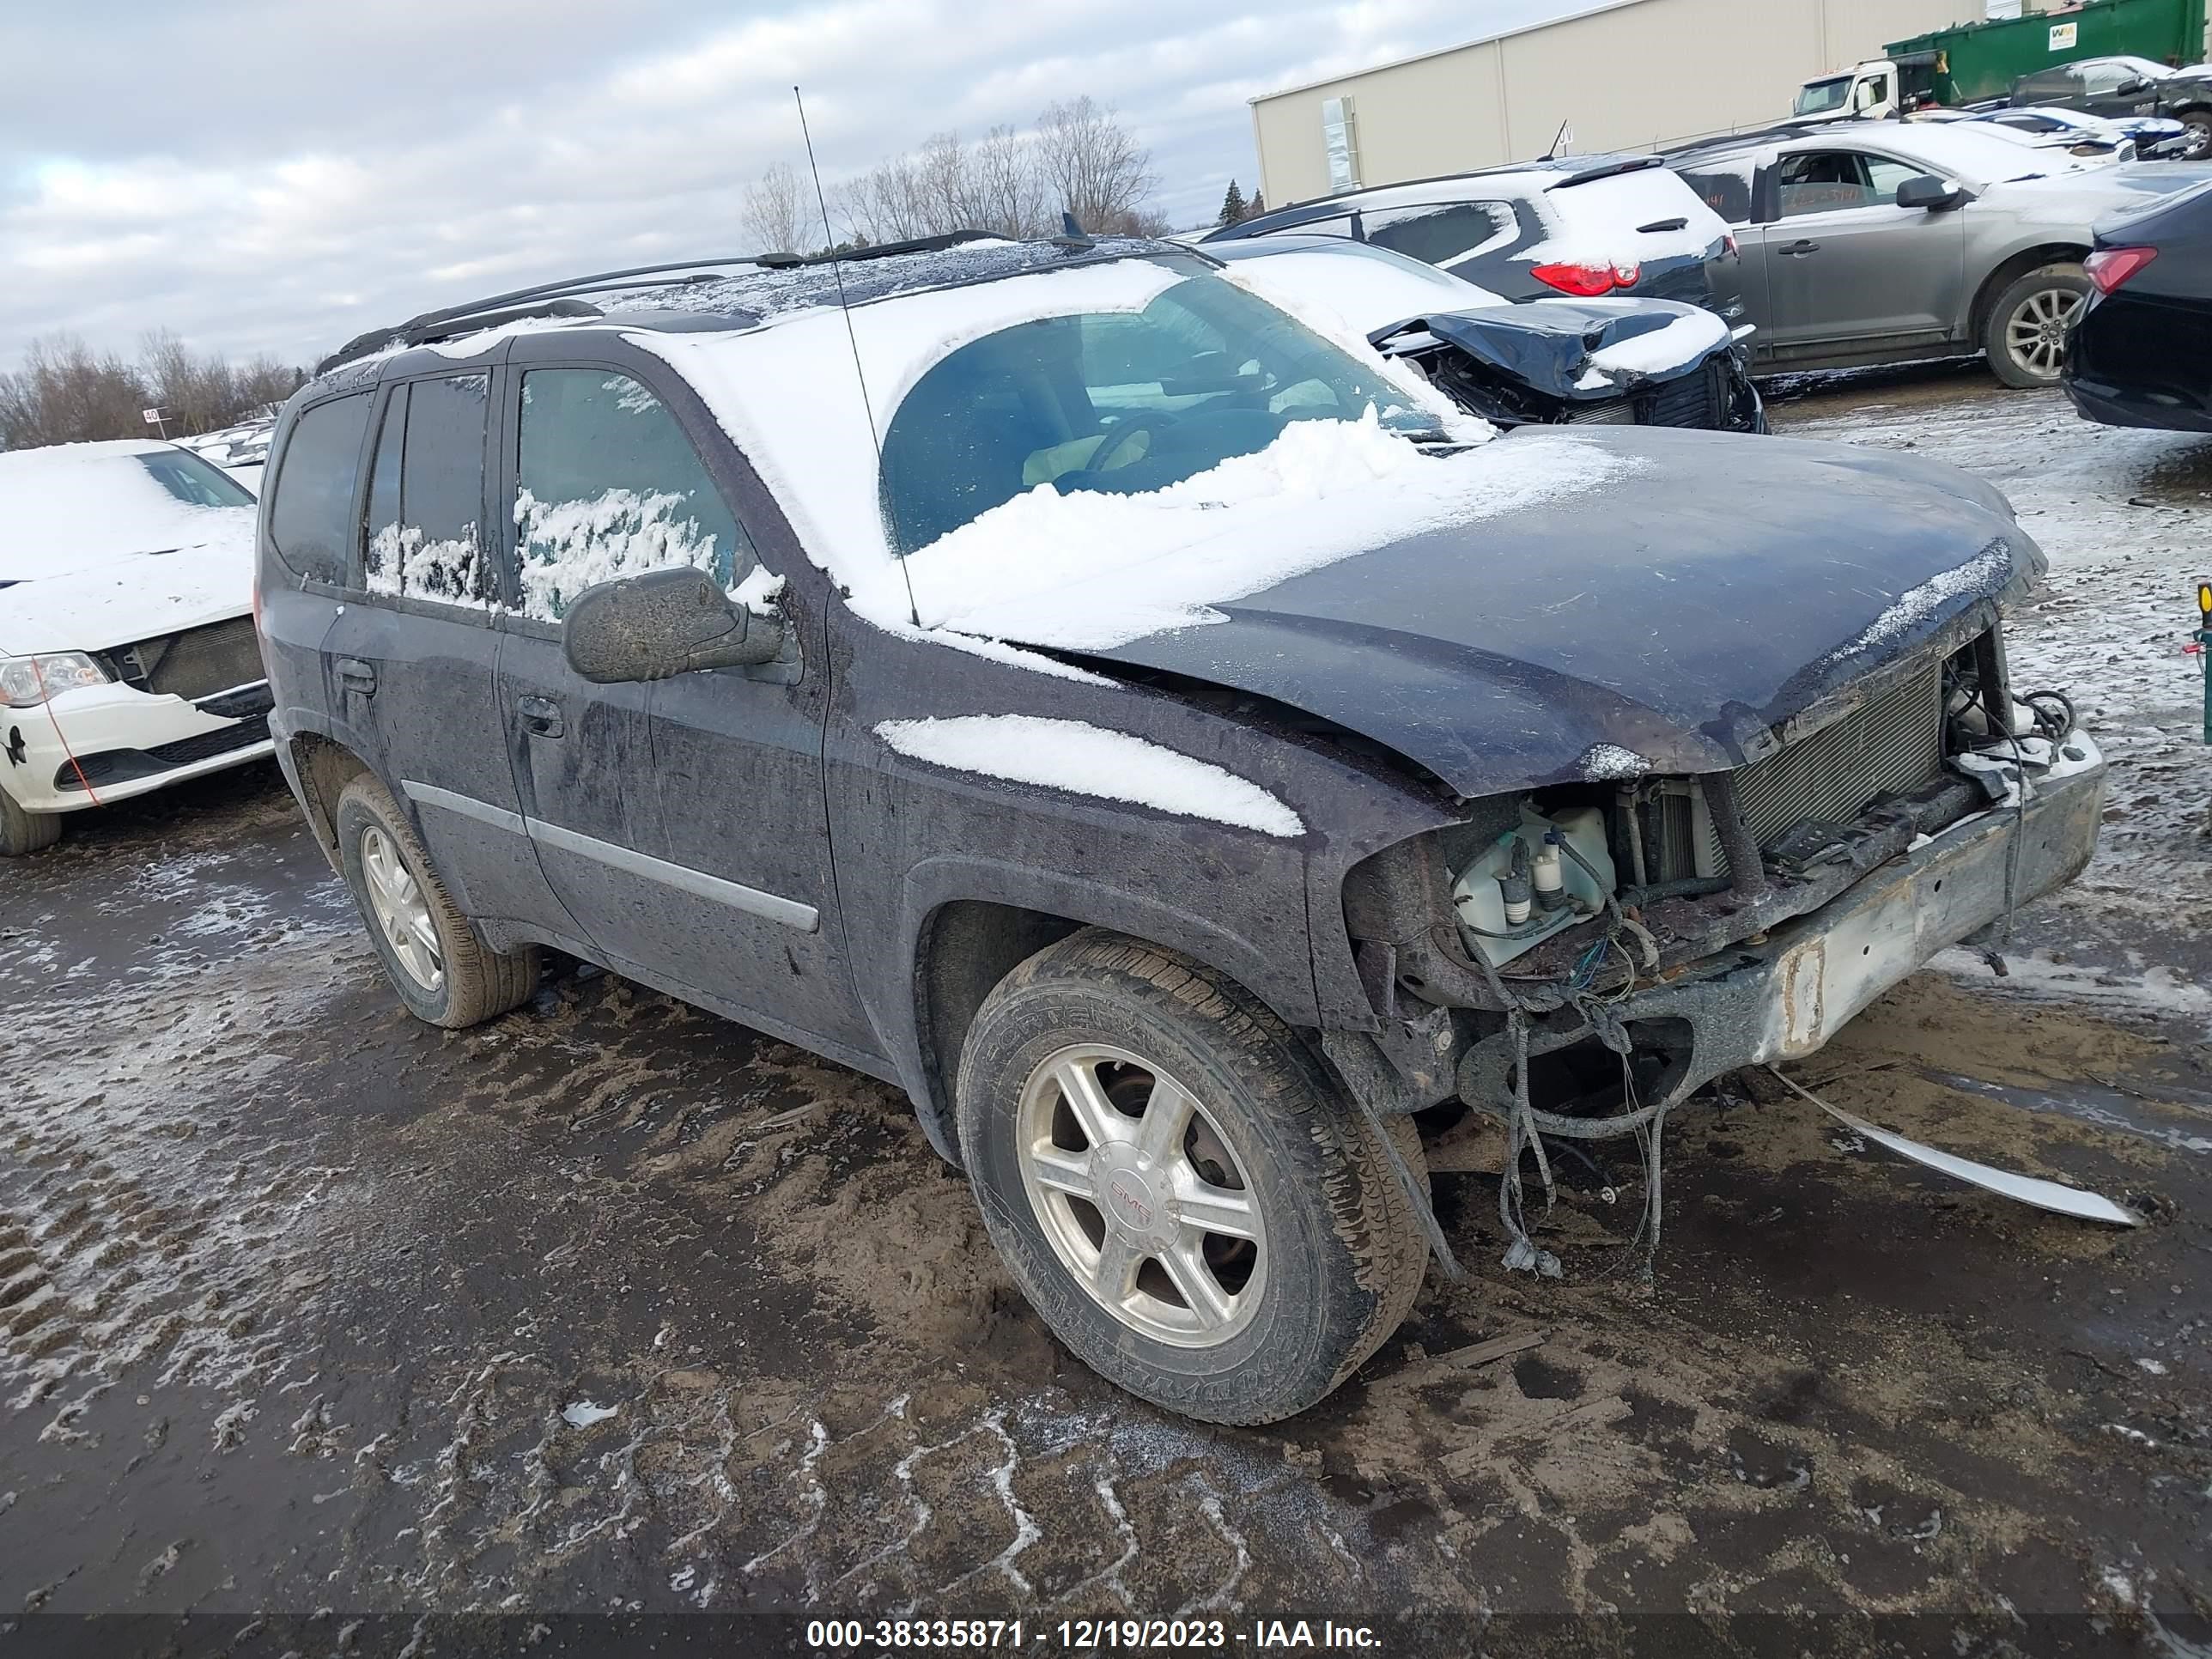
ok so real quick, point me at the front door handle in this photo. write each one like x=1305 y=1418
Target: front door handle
x=541 y=716
x=355 y=675
x=1798 y=250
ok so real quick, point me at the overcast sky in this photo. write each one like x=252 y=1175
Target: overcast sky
x=261 y=175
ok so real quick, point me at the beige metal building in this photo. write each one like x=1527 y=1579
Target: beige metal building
x=1627 y=75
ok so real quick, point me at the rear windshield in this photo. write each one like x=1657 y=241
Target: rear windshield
x=1629 y=217
x=1121 y=403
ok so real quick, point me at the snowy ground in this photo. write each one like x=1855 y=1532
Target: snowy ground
x=614 y=1307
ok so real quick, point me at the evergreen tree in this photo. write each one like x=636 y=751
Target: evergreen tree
x=1259 y=206
x=1233 y=206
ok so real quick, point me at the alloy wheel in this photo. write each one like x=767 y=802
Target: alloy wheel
x=1141 y=1196
x=396 y=899
x=2036 y=332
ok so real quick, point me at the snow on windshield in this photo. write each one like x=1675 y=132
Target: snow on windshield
x=1367 y=293
x=1084 y=759
x=1599 y=220
x=1088 y=571
x=1053 y=568
x=75 y=506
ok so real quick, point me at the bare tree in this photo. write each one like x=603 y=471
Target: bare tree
x=1093 y=165
x=66 y=392
x=779 y=212
x=1008 y=189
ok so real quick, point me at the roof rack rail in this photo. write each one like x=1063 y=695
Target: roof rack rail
x=563 y=298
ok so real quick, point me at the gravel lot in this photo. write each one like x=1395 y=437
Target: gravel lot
x=612 y=1307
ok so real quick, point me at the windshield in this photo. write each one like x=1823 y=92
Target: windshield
x=1121 y=402
x=1819 y=97
x=193 y=481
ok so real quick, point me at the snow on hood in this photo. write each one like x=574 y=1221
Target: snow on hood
x=138 y=597
x=789 y=397
x=1689 y=333
x=1367 y=293
x=75 y=506
x=1086 y=571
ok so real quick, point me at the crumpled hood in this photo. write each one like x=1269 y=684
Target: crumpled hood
x=1550 y=343
x=138 y=596
x=1678 y=608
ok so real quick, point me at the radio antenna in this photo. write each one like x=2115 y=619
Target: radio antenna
x=837 y=269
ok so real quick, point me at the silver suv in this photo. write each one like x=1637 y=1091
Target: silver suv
x=1885 y=241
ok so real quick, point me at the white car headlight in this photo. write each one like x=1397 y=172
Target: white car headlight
x=26 y=682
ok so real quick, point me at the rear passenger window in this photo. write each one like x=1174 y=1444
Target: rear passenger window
x=611 y=487
x=1445 y=233
x=426 y=537
x=1725 y=190
x=311 y=515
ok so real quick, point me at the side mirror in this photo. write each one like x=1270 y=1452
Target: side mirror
x=1929 y=192
x=2128 y=88
x=663 y=624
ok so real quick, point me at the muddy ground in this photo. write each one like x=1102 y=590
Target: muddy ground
x=611 y=1307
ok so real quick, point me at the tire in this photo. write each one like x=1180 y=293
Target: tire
x=440 y=965
x=2025 y=335
x=1333 y=1254
x=2199 y=123
x=23 y=832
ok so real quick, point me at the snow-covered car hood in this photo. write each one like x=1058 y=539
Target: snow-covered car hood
x=2090 y=193
x=1702 y=589
x=135 y=596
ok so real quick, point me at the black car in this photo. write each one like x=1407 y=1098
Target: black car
x=2125 y=86
x=2141 y=352
x=1587 y=226
x=1173 y=747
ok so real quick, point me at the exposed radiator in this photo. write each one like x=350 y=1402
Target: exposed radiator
x=196 y=663
x=1891 y=745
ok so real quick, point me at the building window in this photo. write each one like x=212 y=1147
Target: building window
x=1339 y=142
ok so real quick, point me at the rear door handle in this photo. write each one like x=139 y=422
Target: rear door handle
x=541 y=716
x=355 y=675
x=1799 y=249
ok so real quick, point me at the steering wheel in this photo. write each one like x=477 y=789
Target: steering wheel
x=1106 y=456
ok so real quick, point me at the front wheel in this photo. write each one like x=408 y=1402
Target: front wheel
x=23 y=832
x=1178 y=1186
x=2025 y=335
x=434 y=956
x=2199 y=144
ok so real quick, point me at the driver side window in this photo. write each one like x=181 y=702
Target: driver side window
x=609 y=486
x=1830 y=181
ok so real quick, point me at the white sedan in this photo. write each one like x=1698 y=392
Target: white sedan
x=128 y=659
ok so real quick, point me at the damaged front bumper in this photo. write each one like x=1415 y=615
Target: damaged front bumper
x=1785 y=996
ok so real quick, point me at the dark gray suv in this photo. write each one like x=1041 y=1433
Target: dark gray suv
x=1185 y=752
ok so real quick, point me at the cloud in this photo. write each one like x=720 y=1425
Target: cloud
x=261 y=176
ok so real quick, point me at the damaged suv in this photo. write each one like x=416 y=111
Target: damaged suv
x=1186 y=752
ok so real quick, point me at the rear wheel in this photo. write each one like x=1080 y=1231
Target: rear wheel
x=2025 y=334
x=433 y=955
x=23 y=832
x=1177 y=1185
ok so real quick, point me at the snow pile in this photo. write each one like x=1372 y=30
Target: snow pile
x=1088 y=571
x=568 y=546
x=400 y=561
x=1607 y=763
x=1688 y=337
x=1986 y=572
x=1088 y=760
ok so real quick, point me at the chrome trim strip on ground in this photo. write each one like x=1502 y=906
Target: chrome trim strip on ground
x=788 y=912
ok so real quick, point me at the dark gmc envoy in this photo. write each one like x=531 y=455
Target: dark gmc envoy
x=1553 y=809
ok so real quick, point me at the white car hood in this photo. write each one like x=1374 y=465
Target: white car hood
x=135 y=596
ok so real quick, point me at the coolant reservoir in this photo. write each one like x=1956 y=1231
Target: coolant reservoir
x=1482 y=909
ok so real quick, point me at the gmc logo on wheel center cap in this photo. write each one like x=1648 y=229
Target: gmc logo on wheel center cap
x=1134 y=1208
